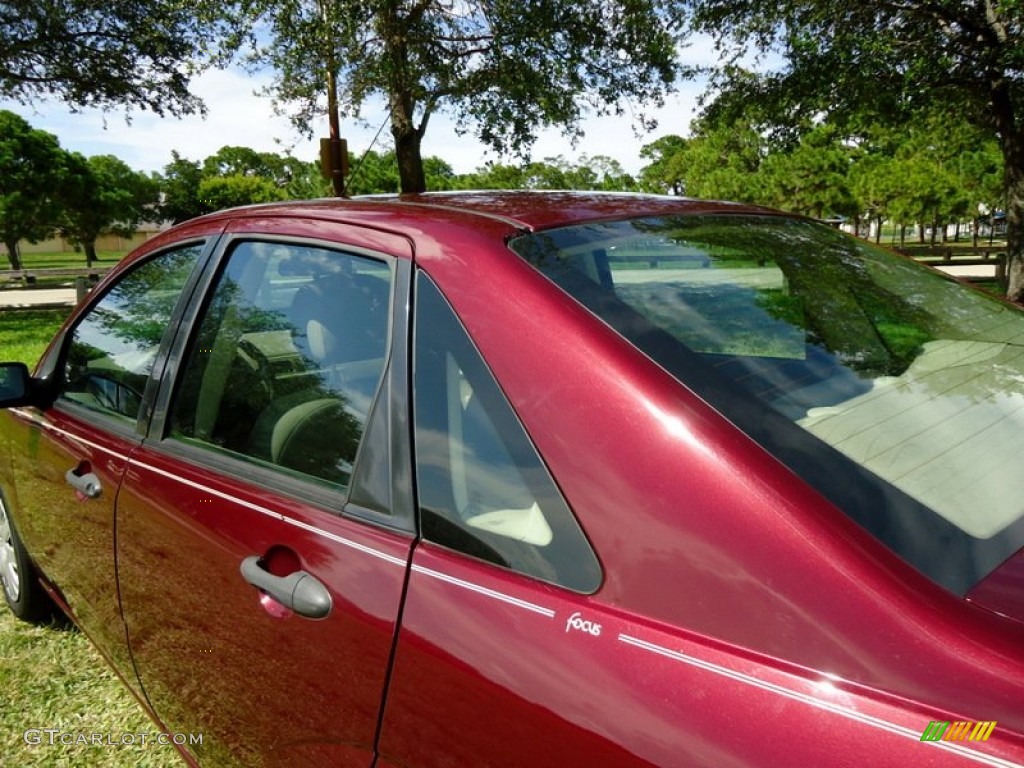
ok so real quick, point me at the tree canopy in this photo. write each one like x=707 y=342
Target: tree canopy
x=133 y=53
x=892 y=59
x=501 y=68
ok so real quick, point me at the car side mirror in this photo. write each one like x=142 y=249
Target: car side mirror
x=16 y=386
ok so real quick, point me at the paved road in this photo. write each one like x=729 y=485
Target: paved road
x=38 y=297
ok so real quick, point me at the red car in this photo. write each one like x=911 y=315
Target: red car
x=533 y=479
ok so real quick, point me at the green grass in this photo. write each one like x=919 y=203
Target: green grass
x=63 y=259
x=51 y=677
x=24 y=334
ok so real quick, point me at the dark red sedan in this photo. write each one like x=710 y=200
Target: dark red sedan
x=529 y=479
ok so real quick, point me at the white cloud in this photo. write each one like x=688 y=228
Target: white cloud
x=238 y=117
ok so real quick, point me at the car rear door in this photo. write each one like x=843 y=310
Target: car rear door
x=273 y=460
x=502 y=648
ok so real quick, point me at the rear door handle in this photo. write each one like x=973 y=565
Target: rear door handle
x=298 y=591
x=87 y=484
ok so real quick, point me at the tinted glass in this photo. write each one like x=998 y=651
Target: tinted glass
x=114 y=346
x=483 y=489
x=895 y=391
x=287 y=359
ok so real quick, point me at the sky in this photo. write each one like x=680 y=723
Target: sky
x=238 y=117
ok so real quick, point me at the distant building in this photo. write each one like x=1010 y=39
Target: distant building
x=108 y=242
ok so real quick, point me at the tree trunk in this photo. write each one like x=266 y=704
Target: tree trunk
x=90 y=252
x=13 y=254
x=1015 y=235
x=395 y=29
x=1013 y=179
x=1011 y=143
x=410 y=160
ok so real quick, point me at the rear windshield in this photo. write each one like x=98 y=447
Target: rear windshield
x=895 y=391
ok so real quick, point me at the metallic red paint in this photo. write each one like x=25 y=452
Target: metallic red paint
x=743 y=619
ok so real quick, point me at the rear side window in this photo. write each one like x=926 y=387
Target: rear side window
x=483 y=489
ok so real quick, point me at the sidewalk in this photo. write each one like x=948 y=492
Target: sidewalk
x=37 y=298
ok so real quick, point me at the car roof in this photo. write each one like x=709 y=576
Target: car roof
x=520 y=209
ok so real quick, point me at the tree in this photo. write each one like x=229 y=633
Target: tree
x=32 y=165
x=136 y=53
x=373 y=173
x=721 y=160
x=377 y=173
x=891 y=58
x=243 y=161
x=179 y=190
x=663 y=174
x=102 y=194
x=813 y=177
x=500 y=67
x=217 y=192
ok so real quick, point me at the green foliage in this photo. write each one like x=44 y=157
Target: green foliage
x=588 y=173
x=32 y=165
x=935 y=169
x=373 y=173
x=243 y=161
x=720 y=161
x=217 y=192
x=664 y=173
x=501 y=69
x=179 y=187
x=120 y=52
x=812 y=178
x=879 y=62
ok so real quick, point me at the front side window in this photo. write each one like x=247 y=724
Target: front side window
x=287 y=360
x=896 y=392
x=114 y=346
x=483 y=490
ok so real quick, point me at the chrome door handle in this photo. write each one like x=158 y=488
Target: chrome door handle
x=298 y=591
x=87 y=484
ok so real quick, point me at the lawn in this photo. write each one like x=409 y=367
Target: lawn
x=51 y=677
x=56 y=259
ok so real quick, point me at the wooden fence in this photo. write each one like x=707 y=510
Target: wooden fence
x=945 y=256
x=84 y=277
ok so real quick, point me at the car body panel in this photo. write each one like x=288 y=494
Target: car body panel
x=77 y=532
x=743 y=619
x=737 y=530
x=209 y=655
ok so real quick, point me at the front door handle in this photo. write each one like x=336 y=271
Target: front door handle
x=87 y=484
x=298 y=591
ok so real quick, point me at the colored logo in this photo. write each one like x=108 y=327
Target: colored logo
x=960 y=731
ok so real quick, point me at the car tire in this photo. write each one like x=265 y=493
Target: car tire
x=22 y=591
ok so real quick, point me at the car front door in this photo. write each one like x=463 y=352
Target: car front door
x=69 y=458
x=263 y=538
